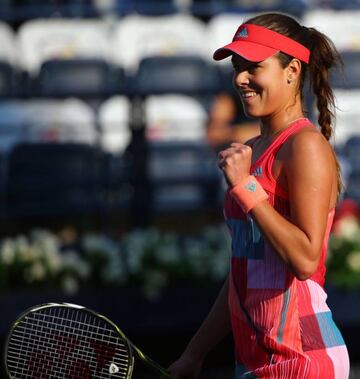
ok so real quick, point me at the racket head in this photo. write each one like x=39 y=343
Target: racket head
x=67 y=341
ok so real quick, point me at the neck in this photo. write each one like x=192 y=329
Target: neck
x=274 y=124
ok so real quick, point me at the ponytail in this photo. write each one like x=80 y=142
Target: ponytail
x=324 y=56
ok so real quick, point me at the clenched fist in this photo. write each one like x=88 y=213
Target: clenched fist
x=235 y=163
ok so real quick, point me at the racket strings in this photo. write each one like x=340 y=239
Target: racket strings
x=60 y=349
x=59 y=343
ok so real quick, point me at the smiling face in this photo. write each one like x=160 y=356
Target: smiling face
x=263 y=86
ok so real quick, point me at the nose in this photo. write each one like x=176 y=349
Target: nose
x=241 y=78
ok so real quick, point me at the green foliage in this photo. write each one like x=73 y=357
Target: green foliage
x=145 y=258
x=344 y=254
x=148 y=259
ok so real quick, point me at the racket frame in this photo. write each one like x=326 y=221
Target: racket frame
x=129 y=345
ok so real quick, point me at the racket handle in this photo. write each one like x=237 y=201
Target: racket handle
x=154 y=365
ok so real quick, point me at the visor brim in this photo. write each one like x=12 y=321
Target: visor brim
x=251 y=51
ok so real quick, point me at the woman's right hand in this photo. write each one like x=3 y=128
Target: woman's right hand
x=186 y=367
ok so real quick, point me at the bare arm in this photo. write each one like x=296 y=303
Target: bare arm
x=309 y=168
x=214 y=328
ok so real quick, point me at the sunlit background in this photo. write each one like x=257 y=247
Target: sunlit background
x=110 y=195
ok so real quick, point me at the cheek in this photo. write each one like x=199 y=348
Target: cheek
x=274 y=86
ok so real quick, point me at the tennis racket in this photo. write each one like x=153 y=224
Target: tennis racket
x=68 y=341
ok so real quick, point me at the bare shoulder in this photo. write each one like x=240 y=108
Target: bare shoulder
x=307 y=144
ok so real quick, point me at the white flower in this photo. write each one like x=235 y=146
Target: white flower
x=353 y=261
x=38 y=271
x=98 y=243
x=155 y=280
x=7 y=251
x=138 y=244
x=196 y=256
x=35 y=273
x=348 y=228
x=70 y=285
x=71 y=260
x=168 y=251
x=115 y=270
x=48 y=245
x=23 y=251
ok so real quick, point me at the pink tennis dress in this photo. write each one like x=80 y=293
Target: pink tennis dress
x=282 y=326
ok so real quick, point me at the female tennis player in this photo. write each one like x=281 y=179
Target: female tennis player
x=282 y=190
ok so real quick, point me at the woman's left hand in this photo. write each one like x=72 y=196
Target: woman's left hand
x=235 y=163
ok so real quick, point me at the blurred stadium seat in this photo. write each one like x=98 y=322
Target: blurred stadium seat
x=19 y=11
x=347 y=76
x=9 y=75
x=146 y=7
x=13 y=120
x=191 y=75
x=175 y=117
x=347 y=115
x=137 y=36
x=46 y=120
x=183 y=176
x=84 y=78
x=352 y=153
x=113 y=119
x=47 y=39
x=9 y=80
x=53 y=179
x=63 y=121
x=342 y=27
x=352 y=189
x=8 y=48
x=345 y=4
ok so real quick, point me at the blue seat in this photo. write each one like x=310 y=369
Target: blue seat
x=352 y=189
x=85 y=78
x=9 y=80
x=117 y=187
x=190 y=75
x=209 y=8
x=48 y=179
x=146 y=7
x=183 y=176
x=345 y=4
x=351 y=152
x=21 y=11
x=349 y=76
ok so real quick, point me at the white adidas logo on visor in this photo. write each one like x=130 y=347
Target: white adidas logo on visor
x=243 y=33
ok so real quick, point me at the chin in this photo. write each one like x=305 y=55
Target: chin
x=250 y=114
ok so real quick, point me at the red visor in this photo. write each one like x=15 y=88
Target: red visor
x=256 y=43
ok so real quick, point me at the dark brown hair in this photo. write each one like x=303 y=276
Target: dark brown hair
x=323 y=57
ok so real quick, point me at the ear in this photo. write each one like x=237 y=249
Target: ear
x=293 y=70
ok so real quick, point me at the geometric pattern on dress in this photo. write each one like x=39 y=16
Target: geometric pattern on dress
x=269 y=273
x=321 y=332
x=247 y=241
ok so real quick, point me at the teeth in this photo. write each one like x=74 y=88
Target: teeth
x=249 y=94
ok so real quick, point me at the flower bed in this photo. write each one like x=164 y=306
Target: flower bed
x=143 y=258
x=151 y=260
x=343 y=263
